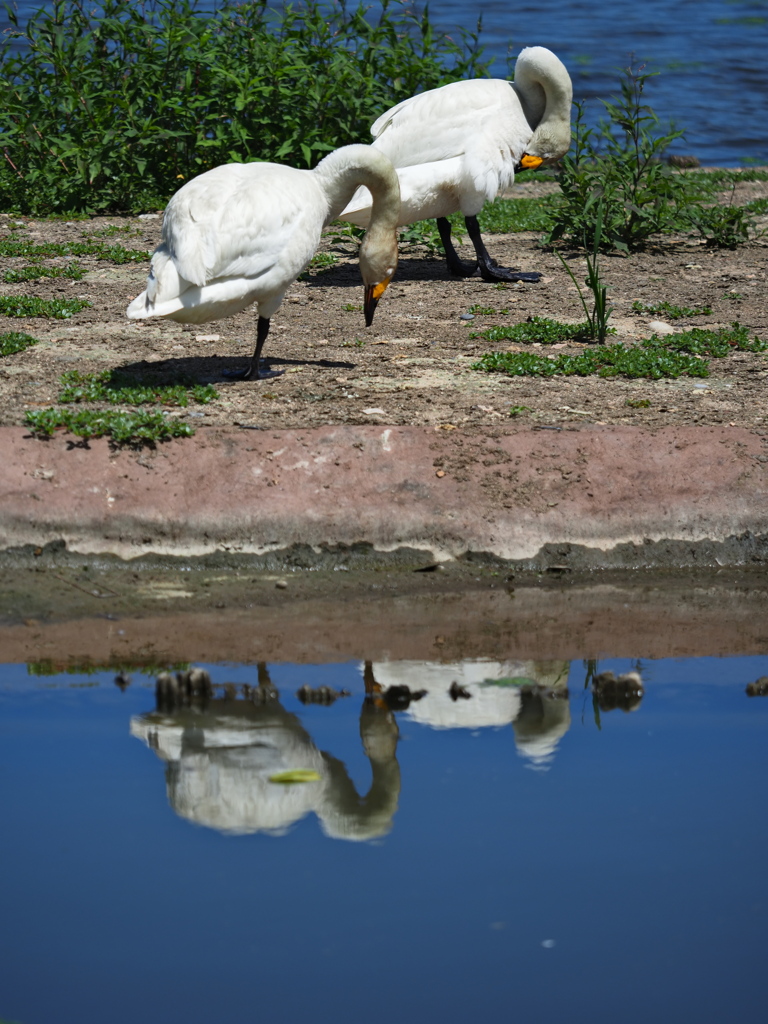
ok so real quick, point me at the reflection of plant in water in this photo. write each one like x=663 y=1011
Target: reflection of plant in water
x=51 y=667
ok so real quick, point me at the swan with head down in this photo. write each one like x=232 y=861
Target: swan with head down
x=242 y=233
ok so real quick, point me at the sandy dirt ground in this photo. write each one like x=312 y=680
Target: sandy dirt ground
x=414 y=365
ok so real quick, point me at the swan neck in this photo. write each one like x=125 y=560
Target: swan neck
x=342 y=171
x=545 y=93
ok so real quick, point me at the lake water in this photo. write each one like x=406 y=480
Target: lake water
x=508 y=849
x=710 y=55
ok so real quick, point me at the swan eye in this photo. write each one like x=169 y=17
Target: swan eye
x=530 y=163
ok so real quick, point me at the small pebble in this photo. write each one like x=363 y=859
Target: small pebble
x=659 y=327
x=281 y=585
x=467 y=316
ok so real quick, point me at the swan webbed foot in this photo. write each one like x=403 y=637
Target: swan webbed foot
x=496 y=273
x=253 y=371
x=489 y=268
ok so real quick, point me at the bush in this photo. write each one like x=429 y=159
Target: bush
x=109 y=111
x=618 y=167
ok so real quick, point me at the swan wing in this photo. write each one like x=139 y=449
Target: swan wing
x=452 y=120
x=243 y=220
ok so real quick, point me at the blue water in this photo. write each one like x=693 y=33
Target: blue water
x=710 y=56
x=578 y=864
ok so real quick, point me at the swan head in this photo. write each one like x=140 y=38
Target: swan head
x=548 y=143
x=378 y=262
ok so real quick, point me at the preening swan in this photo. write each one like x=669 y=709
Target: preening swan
x=455 y=148
x=242 y=233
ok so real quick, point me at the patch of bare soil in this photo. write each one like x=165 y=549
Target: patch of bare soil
x=414 y=365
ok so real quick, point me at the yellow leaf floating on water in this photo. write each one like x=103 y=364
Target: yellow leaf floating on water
x=296 y=775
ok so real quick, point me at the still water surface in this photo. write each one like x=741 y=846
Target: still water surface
x=512 y=852
x=710 y=56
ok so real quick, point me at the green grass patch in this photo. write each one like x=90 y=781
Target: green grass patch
x=537 y=329
x=124 y=428
x=14 y=247
x=478 y=310
x=30 y=306
x=504 y=216
x=672 y=312
x=12 y=342
x=117 y=387
x=35 y=272
x=669 y=357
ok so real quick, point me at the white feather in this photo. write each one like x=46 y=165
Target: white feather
x=242 y=233
x=455 y=148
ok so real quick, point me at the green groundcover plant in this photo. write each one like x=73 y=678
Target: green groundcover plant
x=112 y=107
x=672 y=356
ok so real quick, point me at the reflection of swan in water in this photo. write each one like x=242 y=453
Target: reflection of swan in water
x=221 y=753
x=532 y=696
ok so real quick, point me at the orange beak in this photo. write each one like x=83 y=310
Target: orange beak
x=372 y=295
x=530 y=163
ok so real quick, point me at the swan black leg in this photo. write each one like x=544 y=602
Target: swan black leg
x=253 y=371
x=455 y=265
x=489 y=271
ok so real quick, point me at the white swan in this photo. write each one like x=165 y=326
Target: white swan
x=242 y=233
x=455 y=148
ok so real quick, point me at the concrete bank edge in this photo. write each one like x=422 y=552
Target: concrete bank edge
x=585 y=497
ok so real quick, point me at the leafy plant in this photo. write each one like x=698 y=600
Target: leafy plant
x=601 y=311
x=618 y=166
x=124 y=428
x=30 y=305
x=12 y=342
x=671 y=356
x=117 y=387
x=671 y=311
x=13 y=247
x=536 y=329
x=111 y=107
x=34 y=272
x=725 y=227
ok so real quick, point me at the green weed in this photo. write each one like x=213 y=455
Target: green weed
x=13 y=247
x=124 y=428
x=536 y=329
x=601 y=310
x=618 y=165
x=504 y=216
x=518 y=410
x=117 y=387
x=323 y=260
x=110 y=107
x=35 y=272
x=672 y=312
x=12 y=342
x=30 y=305
x=671 y=356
